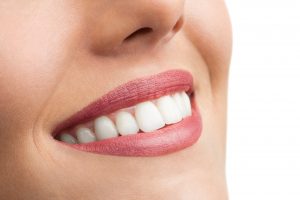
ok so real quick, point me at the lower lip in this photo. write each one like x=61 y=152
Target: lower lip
x=167 y=140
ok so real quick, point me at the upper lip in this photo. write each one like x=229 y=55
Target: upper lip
x=131 y=93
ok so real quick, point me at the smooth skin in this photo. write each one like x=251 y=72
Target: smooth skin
x=56 y=57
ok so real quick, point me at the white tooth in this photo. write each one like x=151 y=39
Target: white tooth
x=168 y=109
x=67 y=138
x=148 y=117
x=187 y=104
x=105 y=128
x=179 y=102
x=126 y=123
x=85 y=135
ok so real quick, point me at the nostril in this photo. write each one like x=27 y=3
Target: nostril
x=139 y=32
x=178 y=24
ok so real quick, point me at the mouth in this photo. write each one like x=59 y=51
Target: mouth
x=150 y=116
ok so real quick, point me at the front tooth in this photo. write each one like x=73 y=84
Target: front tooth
x=126 y=123
x=168 y=109
x=67 y=138
x=148 y=117
x=187 y=104
x=85 y=135
x=105 y=128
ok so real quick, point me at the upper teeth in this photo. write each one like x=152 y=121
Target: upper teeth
x=146 y=116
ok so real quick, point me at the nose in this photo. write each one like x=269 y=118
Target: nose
x=125 y=25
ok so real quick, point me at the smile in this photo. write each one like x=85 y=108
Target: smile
x=149 y=116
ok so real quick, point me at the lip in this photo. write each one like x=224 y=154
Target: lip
x=169 y=139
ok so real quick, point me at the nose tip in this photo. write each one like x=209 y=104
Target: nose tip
x=138 y=24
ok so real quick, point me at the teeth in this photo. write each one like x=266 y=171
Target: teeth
x=126 y=123
x=169 y=110
x=148 y=117
x=187 y=104
x=105 y=128
x=179 y=102
x=67 y=138
x=85 y=135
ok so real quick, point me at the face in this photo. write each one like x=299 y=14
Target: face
x=58 y=57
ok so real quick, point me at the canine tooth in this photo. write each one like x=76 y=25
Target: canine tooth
x=67 y=138
x=126 y=123
x=148 y=117
x=187 y=104
x=179 y=102
x=105 y=128
x=85 y=135
x=168 y=109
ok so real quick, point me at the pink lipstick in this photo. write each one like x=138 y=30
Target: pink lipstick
x=168 y=139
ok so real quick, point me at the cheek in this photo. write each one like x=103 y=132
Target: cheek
x=24 y=88
x=34 y=46
x=209 y=29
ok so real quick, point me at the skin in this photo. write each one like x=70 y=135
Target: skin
x=56 y=57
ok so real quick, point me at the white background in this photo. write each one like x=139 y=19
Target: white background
x=263 y=152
